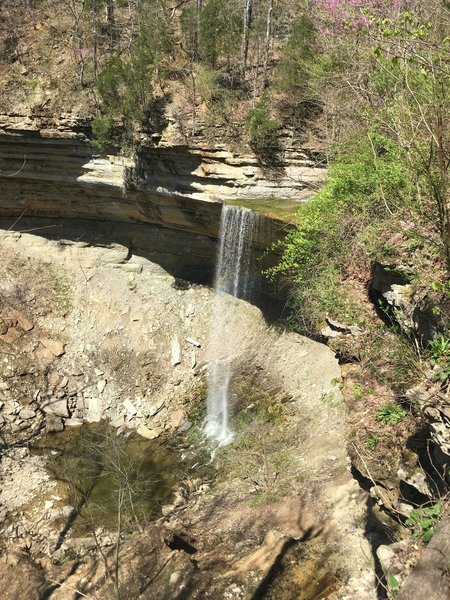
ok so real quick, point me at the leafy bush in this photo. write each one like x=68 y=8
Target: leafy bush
x=372 y=440
x=263 y=132
x=439 y=350
x=424 y=520
x=126 y=90
x=331 y=226
x=391 y=414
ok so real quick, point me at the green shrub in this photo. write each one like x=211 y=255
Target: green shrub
x=424 y=520
x=372 y=441
x=105 y=133
x=331 y=227
x=126 y=91
x=439 y=351
x=219 y=36
x=263 y=132
x=391 y=414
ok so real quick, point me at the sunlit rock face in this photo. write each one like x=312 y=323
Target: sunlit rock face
x=164 y=203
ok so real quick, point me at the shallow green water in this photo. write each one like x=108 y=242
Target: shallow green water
x=284 y=209
x=106 y=477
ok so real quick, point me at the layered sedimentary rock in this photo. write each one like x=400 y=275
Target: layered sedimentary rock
x=165 y=202
x=56 y=172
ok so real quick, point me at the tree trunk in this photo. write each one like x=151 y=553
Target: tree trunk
x=94 y=35
x=267 y=40
x=246 y=34
x=110 y=19
x=198 y=10
x=443 y=157
x=430 y=578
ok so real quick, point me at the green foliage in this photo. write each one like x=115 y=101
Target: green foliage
x=126 y=90
x=300 y=65
x=372 y=441
x=332 y=225
x=439 y=350
x=219 y=35
x=221 y=102
x=391 y=414
x=263 y=132
x=105 y=133
x=188 y=27
x=358 y=391
x=393 y=585
x=293 y=70
x=424 y=521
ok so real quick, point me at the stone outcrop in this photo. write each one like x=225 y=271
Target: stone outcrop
x=406 y=303
x=202 y=172
x=430 y=578
x=59 y=151
x=54 y=173
x=434 y=403
x=164 y=204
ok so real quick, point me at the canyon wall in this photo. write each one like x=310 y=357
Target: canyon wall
x=164 y=203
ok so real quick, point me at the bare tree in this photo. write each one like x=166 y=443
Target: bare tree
x=267 y=39
x=111 y=21
x=94 y=36
x=246 y=33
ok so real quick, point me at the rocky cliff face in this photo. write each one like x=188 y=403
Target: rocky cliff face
x=52 y=170
x=166 y=202
x=58 y=151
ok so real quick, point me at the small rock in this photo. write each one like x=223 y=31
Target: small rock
x=64 y=382
x=26 y=400
x=53 y=424
x=129 y=407
x=176 y=418
x=193 y=342
x=149 y=434
x=55 y=407
x=94 y=411
x=174 y=578
x=175 y=351
x=184 y=426
x=26 y=413
x=73 y=422
x=19 y=426
x=155 y=408
x=11 y=335
x=16 y=318
x=119 y=422
x=101 y=385
x=55 y=347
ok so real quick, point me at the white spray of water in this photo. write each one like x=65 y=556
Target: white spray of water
x=239 y=229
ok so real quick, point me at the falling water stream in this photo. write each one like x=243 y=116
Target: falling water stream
x=240 y=229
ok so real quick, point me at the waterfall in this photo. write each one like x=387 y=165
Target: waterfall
x=240 y=229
